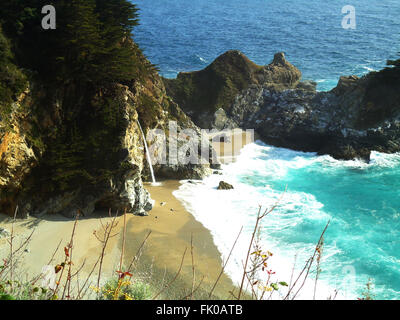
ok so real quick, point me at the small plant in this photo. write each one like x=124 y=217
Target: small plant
x=368 y=293
x=125 y=289
x=17 y=290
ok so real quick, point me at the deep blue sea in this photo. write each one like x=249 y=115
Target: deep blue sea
x=183 y=35
x=361 y=200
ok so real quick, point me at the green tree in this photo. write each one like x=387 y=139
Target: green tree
x=12 y=80
x=91 y=45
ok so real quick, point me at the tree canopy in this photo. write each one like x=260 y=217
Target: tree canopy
x=90 y=45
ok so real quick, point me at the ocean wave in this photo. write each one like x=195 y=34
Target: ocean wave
x=225 y=212
x=292 y=230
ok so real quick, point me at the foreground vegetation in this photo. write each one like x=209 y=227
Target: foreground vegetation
x=62 y=280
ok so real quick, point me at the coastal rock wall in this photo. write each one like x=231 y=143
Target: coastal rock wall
x=74 y=148
x=356 y=117
x=157 y=111
x=61 y=157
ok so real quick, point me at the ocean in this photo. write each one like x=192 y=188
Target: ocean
x=182 y=35
x=361 y=201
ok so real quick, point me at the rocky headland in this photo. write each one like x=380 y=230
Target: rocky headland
x=357 y=116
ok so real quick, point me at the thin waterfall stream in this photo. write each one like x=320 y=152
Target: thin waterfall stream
x=147 y=154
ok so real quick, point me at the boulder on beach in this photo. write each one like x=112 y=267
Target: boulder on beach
x=224 y=186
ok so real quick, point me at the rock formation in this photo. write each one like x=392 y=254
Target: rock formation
x=356 y=117
x=201 y=93
x=224 y=186
x=68 y=150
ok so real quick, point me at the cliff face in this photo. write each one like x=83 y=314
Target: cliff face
x=71 y=148
x=357 y=116
x=62 y=157
x=157 y=110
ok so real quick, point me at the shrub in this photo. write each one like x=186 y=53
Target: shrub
x=124 y=289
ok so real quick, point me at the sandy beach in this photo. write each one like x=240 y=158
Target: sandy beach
x=171 y=227
x=172 y=231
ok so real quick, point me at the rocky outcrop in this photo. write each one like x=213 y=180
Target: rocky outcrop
x=63 y=160
x=201 y=93
x=157 y=111
x=356 y=117
x=359 y=115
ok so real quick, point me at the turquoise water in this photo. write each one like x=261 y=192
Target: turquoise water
x=181 y=35
x=362 y=201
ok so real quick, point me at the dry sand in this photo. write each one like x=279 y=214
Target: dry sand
x=50 y=232
x=172 y=229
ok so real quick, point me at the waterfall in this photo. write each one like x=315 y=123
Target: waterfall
x=147 y=154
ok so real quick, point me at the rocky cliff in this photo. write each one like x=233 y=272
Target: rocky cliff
x=359 y=115
x=67 y=149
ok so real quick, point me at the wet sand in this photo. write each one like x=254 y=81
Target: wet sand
x=171 y=234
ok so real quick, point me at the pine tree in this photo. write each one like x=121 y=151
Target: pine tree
x=91 y=45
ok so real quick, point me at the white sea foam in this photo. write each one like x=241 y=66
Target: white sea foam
x=369 y=69
x=225 y=212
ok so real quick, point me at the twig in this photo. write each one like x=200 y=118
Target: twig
x=11 y=248
x=107 y=232
x=319 y=255
x=138 y=251
x=68 y=255
x=88 y=277
x=248 y=252
x=226 y=262
x=193 y=291
x=258 y=220
x=193 y=269
x=34 y=280
x=123 y=242
x=307 y=267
